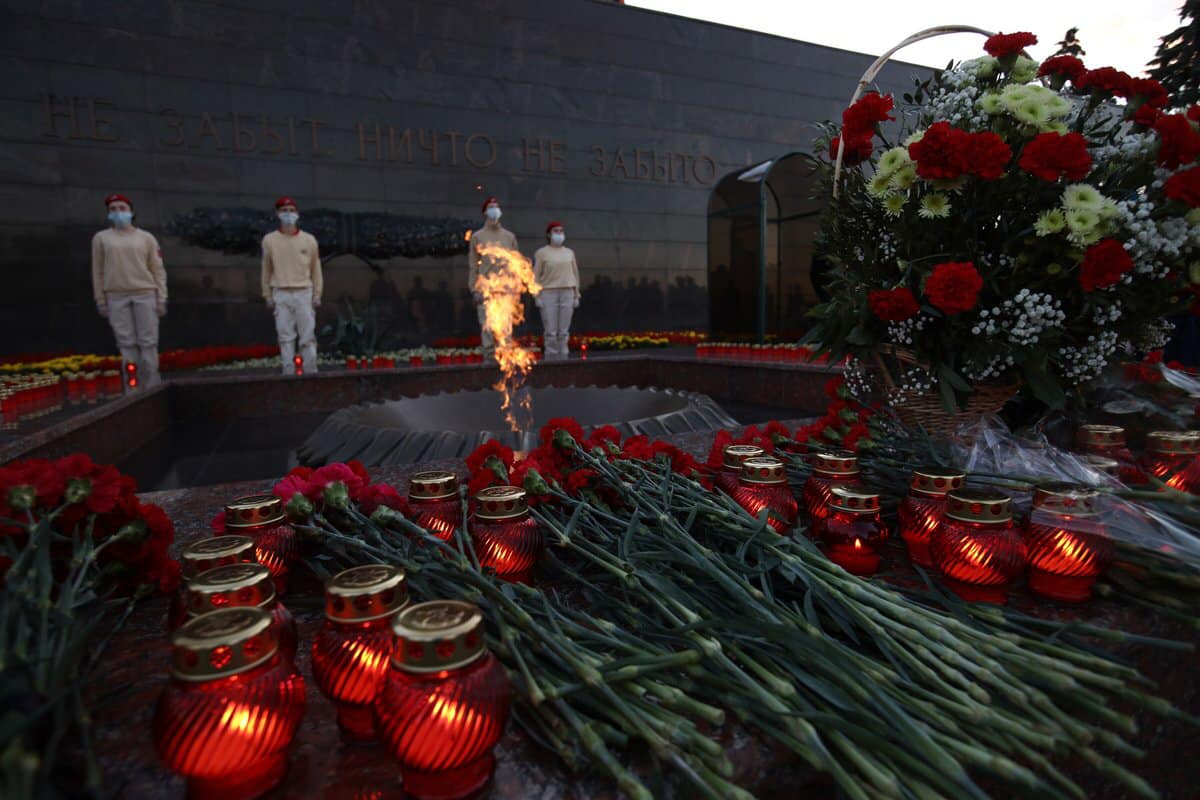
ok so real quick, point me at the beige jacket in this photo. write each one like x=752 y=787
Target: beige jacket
x=555 y=268
x=127 y=262
x=485 y=236
x=291 y=261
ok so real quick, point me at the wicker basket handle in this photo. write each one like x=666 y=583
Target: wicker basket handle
x=873 y=70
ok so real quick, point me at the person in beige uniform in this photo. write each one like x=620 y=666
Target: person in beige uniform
x=129 y=283
x=291 y=285
x=492 y=232
x=555 y=268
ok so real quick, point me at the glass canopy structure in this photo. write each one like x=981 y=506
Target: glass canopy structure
x=762 y=224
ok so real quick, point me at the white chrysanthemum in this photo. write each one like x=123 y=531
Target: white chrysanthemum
x=1083 y=226
x=949 y=185
x=1193 y=217
x=1030 y=111
x=934 y=206
x=1057 y=126
x=991 y=103
x=905 y=178
x=983 y=67
x=1082 y=196
x=1108 y=208
x=1013 y=94
x=914 y=137
x=893 y=204
x=892 y=160
x=1057 y=105
x=1049 y=222
x=1024 y=70
x=879 y=185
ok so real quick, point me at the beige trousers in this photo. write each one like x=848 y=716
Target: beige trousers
x=557 y=306
x=134 y=320
x=295 y=325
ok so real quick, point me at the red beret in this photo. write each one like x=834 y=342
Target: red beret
x=554 y=224
x=486 y=203
x=284 y=201
x=114 y=197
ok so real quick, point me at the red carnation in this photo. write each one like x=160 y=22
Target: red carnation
x=893 y=305
x=1151 y=92
x=1193 y=113
x=833 y=387
x=1068 y=67
x=602 y=436
x=1008 y=44
x=856 y=432
x=868 y=111
x=1184 y=186
x=1105 y=80
x=579 y=480
x=1146 y=116
x=858 y=150
x=942 y=153
x=568 y=424
x=954 y=286
x=1051 y=156
x=380 y=494
x=1180 y=142
x=988 y=155
x=489 y=448
x=638 y=448
x=1103 y=265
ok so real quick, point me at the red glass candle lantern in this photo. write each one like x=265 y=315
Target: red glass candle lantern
x=505 y=537
x=977 y=548
x=854 y=530
x=1067 y=544
x=298 y=364
x=1108 y=441
x=763 y=485
x=262 y=518
x=201 y=556
x=231 y=707
x=922 y=509
x=1109 y=466
x=433 y=498
x=731 y=465
x=350 y=653
x=240 y=586
x=831 y=468
x=1171 y=457
x=131 y=378
x=445 y=701
x=414 y=361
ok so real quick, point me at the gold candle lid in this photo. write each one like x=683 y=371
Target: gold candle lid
x=230 y=586
x=216 y=551
x=365 y=593
x=936 y=481
x=222 y=643
x=978 y=505
x=437 y=635
x=763 y=471
x=1061 y=497
x=734 y=454
x=501 y=502
x=836 y=462
x=1184 y=443
x=853 y=500
x=254 y=511
x=1101 y=435
x=434 y=484
x=1109 y=466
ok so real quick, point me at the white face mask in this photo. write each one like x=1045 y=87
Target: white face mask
x=120 y=219
x=289 y=217
x=557 y=238
x=493 y=213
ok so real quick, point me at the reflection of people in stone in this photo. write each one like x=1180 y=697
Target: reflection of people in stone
x=492 y=232
x=418 y=304
x=129 y=283
x=555 y=269
x=441 y=304
x=291 y=285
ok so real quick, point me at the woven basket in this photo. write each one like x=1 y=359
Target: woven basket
x=926 y=410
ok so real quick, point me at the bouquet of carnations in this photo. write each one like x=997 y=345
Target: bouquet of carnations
x=1021 y=223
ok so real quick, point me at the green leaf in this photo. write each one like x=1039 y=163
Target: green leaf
x=858 y=335
x=949 y=401
x=946 y=374
x=1044 y=386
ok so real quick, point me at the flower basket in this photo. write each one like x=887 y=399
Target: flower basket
x=928 y=410
x=1026 y=225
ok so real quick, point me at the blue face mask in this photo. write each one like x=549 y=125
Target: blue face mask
x=120 y=219
x=289 y=217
